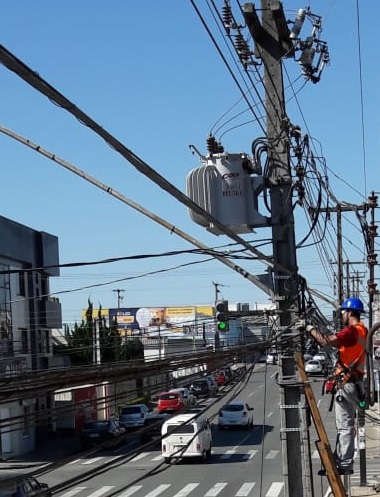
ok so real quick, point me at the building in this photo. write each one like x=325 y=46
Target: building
x=28 y=258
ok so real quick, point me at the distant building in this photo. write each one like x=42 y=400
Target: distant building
x=27 y=316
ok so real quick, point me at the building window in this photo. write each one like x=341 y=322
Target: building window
x=47 y=341
x=40 y=342
x=21 y=284
x=24 y=341
x=26 y=428
x=44 y=286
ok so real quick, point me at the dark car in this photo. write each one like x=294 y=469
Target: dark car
x=152 y=428
x=26 y=487
x=200 y=388
x=98 y=432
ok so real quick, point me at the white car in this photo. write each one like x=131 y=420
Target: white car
x=188 y=398
x=314 y=367
x=235 y=413
x=133 y=415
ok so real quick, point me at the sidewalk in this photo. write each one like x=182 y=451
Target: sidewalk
x=55 y=449
x=372 y=452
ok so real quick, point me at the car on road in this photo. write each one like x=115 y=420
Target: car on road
x=235 y=413
x=101 y=431
x=200 y=388
x=186 y=435
x=214 y=387
x=272 y=358
x=220 y=378
x=170 y=402
x=188 y=397
x=228 y=372
x=133 y=416
x=26 y=487
x=152 y=429
x=314 y=367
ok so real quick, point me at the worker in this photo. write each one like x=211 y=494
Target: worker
x=348 y=375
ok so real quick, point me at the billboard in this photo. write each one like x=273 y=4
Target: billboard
x=135 y=321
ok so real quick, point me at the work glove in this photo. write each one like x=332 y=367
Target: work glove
x=310 y=327
x=299 y=325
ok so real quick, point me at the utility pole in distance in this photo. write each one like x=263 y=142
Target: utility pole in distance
x=119 y=297
x=272 y=41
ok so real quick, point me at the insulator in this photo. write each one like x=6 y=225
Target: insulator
x=298 y=23
x=372 y=230
x=240 y=44
x=213 y=147
x=211 y=143
x=227 y=15
x=371 y=286
x=301 y=192
x=300 y=171
x=372 y=201
x=307 y=56
x=219 y=148
x=372 y=259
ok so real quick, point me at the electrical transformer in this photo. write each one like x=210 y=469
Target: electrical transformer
x=225 y=188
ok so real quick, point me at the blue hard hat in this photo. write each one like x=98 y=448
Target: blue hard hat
x=353 y=304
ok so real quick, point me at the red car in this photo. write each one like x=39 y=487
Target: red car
x=220 y=378
x=170 y=402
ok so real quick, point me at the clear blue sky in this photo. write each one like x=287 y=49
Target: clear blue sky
x=149 y=73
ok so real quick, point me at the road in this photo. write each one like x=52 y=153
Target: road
x=243 y=463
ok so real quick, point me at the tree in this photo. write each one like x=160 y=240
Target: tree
x=80 y=341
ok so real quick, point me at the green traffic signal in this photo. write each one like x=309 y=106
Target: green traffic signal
x=222 y=326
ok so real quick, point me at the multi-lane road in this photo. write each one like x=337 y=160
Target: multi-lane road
x=243 y=463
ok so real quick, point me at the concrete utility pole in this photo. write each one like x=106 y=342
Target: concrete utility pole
x=271 y=36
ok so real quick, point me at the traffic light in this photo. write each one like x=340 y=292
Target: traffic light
x=221 y=314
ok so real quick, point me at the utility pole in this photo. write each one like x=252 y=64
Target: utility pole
x=119 y=297
x=269 y=36
x=371 y=261
x=217 y=291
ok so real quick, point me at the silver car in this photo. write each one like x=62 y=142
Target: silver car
x=133 y=416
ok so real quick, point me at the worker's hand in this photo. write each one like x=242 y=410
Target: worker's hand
x=299 y=325
x=310 y=327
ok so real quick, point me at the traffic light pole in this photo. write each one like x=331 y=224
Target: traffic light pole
x=270 y=48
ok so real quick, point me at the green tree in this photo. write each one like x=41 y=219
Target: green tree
x=80 y=341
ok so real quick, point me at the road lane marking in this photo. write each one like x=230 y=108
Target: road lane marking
x=244 y=490
x=72 y=492
x=272 y=454
x=139 y=456
x=186 y=490
x=75 y=461
x=275 y=489
x=101 y=491
x=215 y=490
x=158 y=490
x=157 y=458
x=94 y=459
x=130 y=491
x=250 y=454
x=228 y=454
